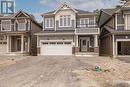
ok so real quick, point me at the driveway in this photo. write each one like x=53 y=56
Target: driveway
x=43 y=72
x=62 y=71
x=125 y=59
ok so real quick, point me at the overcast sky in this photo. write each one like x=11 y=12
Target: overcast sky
x=37 y=7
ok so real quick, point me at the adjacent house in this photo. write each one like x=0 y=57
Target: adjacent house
x=115 y=31
x=17 y=34
x=68 y=31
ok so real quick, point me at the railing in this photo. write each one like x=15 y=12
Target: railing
x=85 y=28
x=14 y=28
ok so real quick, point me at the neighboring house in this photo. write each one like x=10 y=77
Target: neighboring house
x=17 y=34
x=115 y=31
x=68 y=31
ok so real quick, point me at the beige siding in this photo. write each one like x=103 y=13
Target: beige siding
x=105 y=46
x=35 y=28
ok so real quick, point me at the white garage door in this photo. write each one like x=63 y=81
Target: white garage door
x=3 y=48
x=56 y=48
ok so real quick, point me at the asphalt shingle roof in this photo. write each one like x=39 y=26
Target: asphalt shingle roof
x=109 y=11
x=78 y=10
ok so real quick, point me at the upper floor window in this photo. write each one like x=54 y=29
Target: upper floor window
x=128 y=22
x=84 y=22
x=49 y=23
x=6 y=25
x=65 y=21
x=21 y=26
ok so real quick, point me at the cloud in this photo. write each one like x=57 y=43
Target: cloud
x=38 y=17
x=82 y=4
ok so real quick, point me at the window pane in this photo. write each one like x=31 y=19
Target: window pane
x=61 y=21
x=6 y=25
x=120 y=19
x=21 y=26
x=49 y=22
x=65 y=21
x=69 y=21
x=128 y=21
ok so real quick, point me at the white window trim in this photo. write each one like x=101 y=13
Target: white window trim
x=84 y=21
x=117 y=23
x=23 y=28
x=4 y=21
x=49 y=22
x=127 y=22
x=66 y=22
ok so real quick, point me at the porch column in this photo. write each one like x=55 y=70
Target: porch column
x=95 y=40
x=113 y=40
x=8 y=43
x=77 y=42
x=28 y=44
x=22 y=43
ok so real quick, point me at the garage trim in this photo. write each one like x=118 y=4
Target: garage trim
x=54 y=42
x=119 y=40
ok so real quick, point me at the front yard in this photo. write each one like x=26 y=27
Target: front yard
x=63 y=71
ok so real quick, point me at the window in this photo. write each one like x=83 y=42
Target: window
x=128 y=22
x=59 y=42
x=3 y=39
x=84 y=22
x=45 y=43
x=67 y=43
x=6 y=25
x=49 y=23
x=65 y=21
x=21 y=26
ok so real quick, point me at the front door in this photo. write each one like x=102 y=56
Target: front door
x=84 y=45
x=18 y=44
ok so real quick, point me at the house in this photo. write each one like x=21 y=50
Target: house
x=17 y=33
x=115 y=31
x=68 y=31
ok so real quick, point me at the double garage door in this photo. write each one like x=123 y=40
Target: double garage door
x=56 y=48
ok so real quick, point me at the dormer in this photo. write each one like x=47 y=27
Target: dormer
x=22 y=21
x=65 y=17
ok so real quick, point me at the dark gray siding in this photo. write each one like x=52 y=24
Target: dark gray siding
x=105 y=46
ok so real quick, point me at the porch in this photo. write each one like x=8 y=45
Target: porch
x=86 y=44
x=18 y=44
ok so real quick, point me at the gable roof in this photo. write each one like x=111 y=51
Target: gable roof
x=113 y=31
x=30 y=16
x=109 y=11
x=78 y=12
x=21 y=12
x=106 y=14
x=64 y=4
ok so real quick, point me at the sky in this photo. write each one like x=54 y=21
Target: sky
x=38 y=7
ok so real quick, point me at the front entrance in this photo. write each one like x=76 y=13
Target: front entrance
x=18 y=44
x=84 y=44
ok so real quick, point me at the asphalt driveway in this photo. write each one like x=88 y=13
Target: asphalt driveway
x=44 y=72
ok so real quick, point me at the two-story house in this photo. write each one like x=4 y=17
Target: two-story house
x=68 y=31
x=115 y=31
x=17 y=33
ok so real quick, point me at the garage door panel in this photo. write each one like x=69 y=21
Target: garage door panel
x=56 y=49
x=3 y=48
